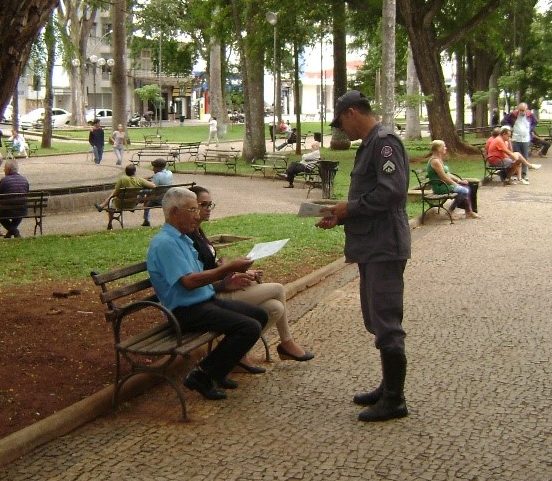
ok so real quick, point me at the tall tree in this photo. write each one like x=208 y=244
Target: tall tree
x=118 y=72
x=20 y=22
x=77 y=18
x=427 y=42
x=50 y=41
x=249 y=20
x=413 y=129
x=388 y=63
x=339 y=140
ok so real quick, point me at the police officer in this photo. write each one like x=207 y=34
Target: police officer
x=377 y=237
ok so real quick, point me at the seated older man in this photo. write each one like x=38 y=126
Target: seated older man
x=188 y=291
x=12 y=183
x=308 y=163
x=500 y=153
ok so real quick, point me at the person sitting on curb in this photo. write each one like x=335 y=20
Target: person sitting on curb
x=290 y=140
x=307 y=164
x=442 y=182
x=128 y=179
x=161 y=176
x=187 y=290
x=20 y=146
x=501 y=154
x=269 y=296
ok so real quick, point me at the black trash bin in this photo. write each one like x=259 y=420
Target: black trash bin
x=327 y=169
x=182 y=117
x=474 y=185
x=317 y=137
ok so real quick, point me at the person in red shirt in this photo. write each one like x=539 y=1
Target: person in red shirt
x=499 y=153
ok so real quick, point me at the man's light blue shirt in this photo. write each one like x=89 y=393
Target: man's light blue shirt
x=171 y=255
x=164 y=177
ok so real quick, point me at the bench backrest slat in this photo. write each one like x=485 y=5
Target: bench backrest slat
x=111 y=295
x=116 y=274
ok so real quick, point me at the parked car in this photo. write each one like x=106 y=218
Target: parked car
x=105 y=116
x=35 y=118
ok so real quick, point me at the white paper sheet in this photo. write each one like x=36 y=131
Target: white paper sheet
x=265 y=249
x=307 y=209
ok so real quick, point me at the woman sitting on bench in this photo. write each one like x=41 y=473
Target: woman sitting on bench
x=442 y=182
x=270 y=296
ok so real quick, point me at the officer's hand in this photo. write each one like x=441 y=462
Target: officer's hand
x=241 y=264
x=327 y=222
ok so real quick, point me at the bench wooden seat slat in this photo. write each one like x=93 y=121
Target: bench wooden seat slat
x=276 y=163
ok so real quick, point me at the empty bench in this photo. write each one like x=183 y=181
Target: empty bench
x=271 y=162
x=226 y=158
x=170 y=154
x=30 y=205
x=190 y=150
x=132 y=199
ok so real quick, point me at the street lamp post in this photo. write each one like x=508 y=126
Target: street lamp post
x=272 y=18
x=95 y=62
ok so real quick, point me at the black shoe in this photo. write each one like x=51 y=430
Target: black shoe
x=251 y=369
x=286 y=356
x=146 y=223
x=201 y=382
x=110 y=226
x=227 y=383
x=98 y=207
x=369 y=398
x=290 y=186
x=16 y=233
x=386 y=408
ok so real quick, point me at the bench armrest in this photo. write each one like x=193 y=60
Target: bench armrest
x=139 y=305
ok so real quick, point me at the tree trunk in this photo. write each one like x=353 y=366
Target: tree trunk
x=413 y=128
x=297 y=94
x=426 y=54
x=460 y=88
x=215 y=85
x=339 y=140
x=50 y=41
x=20 y=22
x=15 y=105
x=388 y=63
x=277 y=59
x=252 y=63
x=118 y=73
x=493 y=89
x=483 y=68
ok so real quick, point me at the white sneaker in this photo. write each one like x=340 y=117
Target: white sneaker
x=535 y=166
x=524 y=181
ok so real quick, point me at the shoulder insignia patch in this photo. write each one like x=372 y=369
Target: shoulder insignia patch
x=389 y=167
x=387 y=151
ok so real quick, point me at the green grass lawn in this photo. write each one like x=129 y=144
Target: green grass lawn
x=55 y=257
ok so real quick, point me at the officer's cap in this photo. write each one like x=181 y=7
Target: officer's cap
x=350 y=99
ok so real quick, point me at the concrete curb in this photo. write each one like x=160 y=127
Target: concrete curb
x=25 y=440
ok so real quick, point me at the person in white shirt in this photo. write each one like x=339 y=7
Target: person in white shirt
x=307 y=164
x=213 y=132
x=19 y=143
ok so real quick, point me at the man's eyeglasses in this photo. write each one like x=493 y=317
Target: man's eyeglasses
x=192 y=210
x=207 y=205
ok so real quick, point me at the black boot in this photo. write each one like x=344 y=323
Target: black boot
x=369 y=398
x=392 y=404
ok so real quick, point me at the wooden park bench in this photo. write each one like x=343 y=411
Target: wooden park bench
x=154 y=141
x=429 y=199
x=273 y=162
x=190 y=150
x=227 y=158
x=490 y=170
x=132 y=199
x=147 y=336
x=31 y=205
x=170 y=154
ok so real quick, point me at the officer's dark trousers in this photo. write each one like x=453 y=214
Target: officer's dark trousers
x=241 y=324
x=381 y=301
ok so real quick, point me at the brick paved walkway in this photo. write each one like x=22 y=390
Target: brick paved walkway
x=479 y=383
